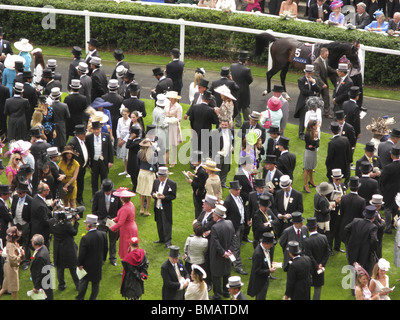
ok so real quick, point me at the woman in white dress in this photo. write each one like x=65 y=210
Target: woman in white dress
x=379 y=284
x=38 y=67
x=193 y=87
x=123 y=132
x=160 y=123
x=197 y=288
x=173 y=112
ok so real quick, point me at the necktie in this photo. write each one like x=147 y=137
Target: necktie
x=298 y=233
x=287 y=194
x=251 y=180
x=269 y=176
x=107 y=202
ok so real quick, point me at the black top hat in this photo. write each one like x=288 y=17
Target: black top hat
x=25 y=169
x=311 y=222
x=369 y=147
x=270 y=158
x=268 y=237
x=118 y=54
x=1 y=31
x=235 y=185
x=174 y=251
x=136 y=130
x=283 y=141
x=4 y=189
x=244 y=55
x=365 y=167
x=35 y=132
x=294 y=248
x=207 y=95
x=27 y=74
x=157 y=71
x=395 y=151
x=133 y=86
x=129 y=75
x=297 y=216
x=354 y=182
x=47 y=73
x=274 y=129
x=76 y=51
x=264 y=200
x=395 y=133
x=339 y=115
x=203 y=83
x=22 y=187
x=259 y=183
x=175 y=52
x=80 y=128
x=93 y=42
x=335 y=127
x=19 y=65
x=107 y=185
x=369 y=212
x=277 y=88
x=1 y=164
x=354 y=91
x=224 y=71
x=96 y=125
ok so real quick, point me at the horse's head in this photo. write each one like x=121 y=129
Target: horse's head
x=352 y=55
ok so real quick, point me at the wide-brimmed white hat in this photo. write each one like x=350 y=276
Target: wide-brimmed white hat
x=162 y=100
x=173 y=95
x=99 y=116
x=225 y=91
x=23 y=45
x=197 y=267
x=10 y=60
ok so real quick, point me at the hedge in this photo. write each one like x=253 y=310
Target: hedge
x=145 y=37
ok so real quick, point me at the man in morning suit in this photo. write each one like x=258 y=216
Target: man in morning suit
x=389 y=186
x=261 y=268
x=343 y=85
x=93 y=250
x=5 y=46
x=362 y=17
x=164 y=84
x=174 y=70
x=252 y=124
x=92 y=46
x=319 y=12
x=297 y=232
x=362 y=240
x=175 y=276
x=352 y=111
x=99 y=79
x=369 y=186
x=241 y=74
x=272 y=142
x=133 y=103
x=221 y=244
x=316 y=246
x=86 y=81
x=77 y=104
x=49 y=82
x=385 y=148
x=5 y=216
x=119 y=56
x=237 y=213
x=234 y=286
x=31 y=94
x=72 y=72
x=271 y=174
x=164 y=191
x=101 y=155
x=347 y=130
x=322 y=71
x=374 y=161
x=4 y=95
x=106 y=205
x=308 y=87
x=339 y=153
x=226 y=79
x=286 y=162
x=298 y=284
x=41 y=266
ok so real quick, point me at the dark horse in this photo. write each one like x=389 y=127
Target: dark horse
x=285 y=50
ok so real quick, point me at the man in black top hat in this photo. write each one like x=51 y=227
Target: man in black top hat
x=243 y=78
x=286 y=163
x=316 y=246
x=369 y=186
x=5 y=46
x=385 y=148
x=347 y=130
x=48 y=82
x=262 y=268
x=198 y=97
x=92 y=46
x=271 y=174
x=174 y=70
x=19 y=69
x=77 y=105
x=339 y=153
x=362 y=240
x=4 y=95
x=164 y=84
x=79 y=144
x=263 y=219
x=77 y=55
x=105 y=205
x=119 y=58
x=5 y=216
x=389 y=185
x=129 y=82
x=373 y=160
x=174 y=275
x=352 y=110
x=133 y=103
x=30 y=94
x=272 y=143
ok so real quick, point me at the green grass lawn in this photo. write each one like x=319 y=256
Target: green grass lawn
x=183 y=215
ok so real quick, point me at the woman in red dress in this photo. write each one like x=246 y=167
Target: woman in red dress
x=125 y=220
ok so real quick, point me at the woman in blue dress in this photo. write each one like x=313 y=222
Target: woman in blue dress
x=9 y=74
x=379 y=25
x=25 y=47
x=336 y=17
x=48 y=119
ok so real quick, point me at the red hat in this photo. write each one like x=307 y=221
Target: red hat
x=274 y=104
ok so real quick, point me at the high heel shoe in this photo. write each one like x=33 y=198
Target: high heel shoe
x=311 y=185
x=306 y=190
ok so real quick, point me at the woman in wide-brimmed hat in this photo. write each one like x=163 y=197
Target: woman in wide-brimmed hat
x=71 y=169
x=125 y=220
x=173 y=112
x=9 y=73
x=25 y=48
x=227 y=107
x=213 y=182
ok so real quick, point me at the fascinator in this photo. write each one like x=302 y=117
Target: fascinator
x=377 y=13
x=314 y=102
x=336 y=3
x=383 y=264
x=360 y=271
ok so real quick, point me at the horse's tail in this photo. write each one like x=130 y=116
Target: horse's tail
x=262 y=40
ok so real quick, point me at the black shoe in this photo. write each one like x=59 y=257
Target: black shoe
x=158 y=241
x=62 y=288
x=214 y=298
x=226 y=295
x=331 y=253
x=241 y=271
x=301 y=137
x=81 y=202
x=388 y=231
x=273 y=278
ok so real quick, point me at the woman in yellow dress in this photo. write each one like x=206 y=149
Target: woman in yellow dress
x=71 y=168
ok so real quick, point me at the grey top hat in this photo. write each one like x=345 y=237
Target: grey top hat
x=294 y=248
x=75 y=84
x=324 y=188
x=96 y=61
x=220 y=211
x=51 y=63
x=369 y=212
x=55 y=92
x=343 y=67
x=211 y=200
x=113 y=84
x=309 y=68
x=52 y=151
x=83 y=67
x=337 y=173
x=91 y=219
x=234 y=282
x=284 y=181
x=174 y=251
x=162 y=171
x=377 y=200
x=19 y=87
x=255 y=115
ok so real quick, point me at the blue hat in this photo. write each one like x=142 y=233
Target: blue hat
x=99 y=102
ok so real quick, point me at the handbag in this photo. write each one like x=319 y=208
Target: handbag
x=268 y=122
x=70 y=189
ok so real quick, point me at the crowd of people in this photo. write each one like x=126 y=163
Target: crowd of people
x=101 y=120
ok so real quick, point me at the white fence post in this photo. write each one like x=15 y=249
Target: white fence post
x=182 y=39
x=87 y=30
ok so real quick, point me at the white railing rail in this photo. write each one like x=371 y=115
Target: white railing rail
x=182 y=23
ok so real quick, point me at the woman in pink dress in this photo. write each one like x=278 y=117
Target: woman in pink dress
x=125 y=221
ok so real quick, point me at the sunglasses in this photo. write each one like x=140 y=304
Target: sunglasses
x=18 y=159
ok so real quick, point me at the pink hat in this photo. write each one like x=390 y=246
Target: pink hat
x=336 y=3
x=274 y=104
x=124 y=193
